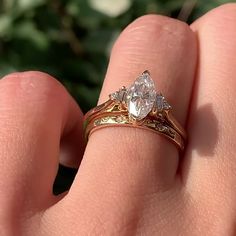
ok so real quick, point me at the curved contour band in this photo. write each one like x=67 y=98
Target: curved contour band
x=123 y=120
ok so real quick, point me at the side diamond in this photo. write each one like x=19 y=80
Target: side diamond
x=161 y=103
x=119 y=95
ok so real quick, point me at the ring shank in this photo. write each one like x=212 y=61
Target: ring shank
x=118 y=119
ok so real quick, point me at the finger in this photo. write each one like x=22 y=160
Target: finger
x=165 y=47
x=35 y=111
x=210 y=161
x=120 y=163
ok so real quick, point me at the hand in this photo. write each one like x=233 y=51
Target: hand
x=130 y=181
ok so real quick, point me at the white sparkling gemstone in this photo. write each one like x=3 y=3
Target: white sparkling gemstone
x=141 y=97
x=166 y=105
x=119 y=95
x=161 y=103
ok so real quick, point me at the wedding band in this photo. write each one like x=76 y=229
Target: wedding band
x=138 y=106
x=123 y=119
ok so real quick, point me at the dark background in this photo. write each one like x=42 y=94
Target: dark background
x=71 y=40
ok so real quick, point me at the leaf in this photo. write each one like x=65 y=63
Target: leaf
x=28 y=30
x=5 y=25
x=25 y=5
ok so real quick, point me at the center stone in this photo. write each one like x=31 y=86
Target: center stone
x=141 y=96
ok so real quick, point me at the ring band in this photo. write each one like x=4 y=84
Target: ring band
x=122 y=119
x=139 y=106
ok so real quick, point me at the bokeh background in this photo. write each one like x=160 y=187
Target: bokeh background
x=72 y=39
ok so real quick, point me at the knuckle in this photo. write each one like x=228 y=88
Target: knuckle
x=151 y=30
x=30 y=86
x=159 y=22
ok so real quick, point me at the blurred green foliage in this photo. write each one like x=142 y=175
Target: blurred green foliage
x=71 y=39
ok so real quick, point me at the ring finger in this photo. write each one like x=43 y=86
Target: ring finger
x=121 y=163
x=167 y=48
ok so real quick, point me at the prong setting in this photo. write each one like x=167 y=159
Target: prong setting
x=141 y=99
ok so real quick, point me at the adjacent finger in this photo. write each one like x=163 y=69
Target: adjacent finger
x=210 y=163
x=35 y=111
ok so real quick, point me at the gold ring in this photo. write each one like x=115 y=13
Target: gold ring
x=138 y=106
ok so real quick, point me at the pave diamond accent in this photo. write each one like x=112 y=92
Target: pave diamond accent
x=141 y=96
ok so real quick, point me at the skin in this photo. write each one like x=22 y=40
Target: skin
x=130 y=181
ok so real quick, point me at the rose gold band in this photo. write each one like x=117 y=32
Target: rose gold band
x=112 y=113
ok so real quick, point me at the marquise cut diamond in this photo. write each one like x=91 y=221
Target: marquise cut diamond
x=141 y=96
